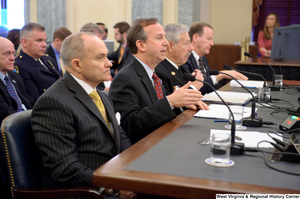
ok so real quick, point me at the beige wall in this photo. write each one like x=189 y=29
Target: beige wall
x=231 y=19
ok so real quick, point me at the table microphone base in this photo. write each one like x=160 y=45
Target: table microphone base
x=252 y=122
x=237 y=148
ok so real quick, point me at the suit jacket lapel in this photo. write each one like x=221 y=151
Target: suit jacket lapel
x=145 y=79
x=83 y=97
x=174 y=72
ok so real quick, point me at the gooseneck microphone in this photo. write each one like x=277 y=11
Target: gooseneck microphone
x=237 y=148
x=273 y=87
x=280 y=59
x=251 y=121
x=227 y=67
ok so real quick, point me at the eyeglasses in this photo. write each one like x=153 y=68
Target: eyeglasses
x=8 y=54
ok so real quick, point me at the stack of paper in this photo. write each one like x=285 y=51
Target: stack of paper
x=247 y=84
x=229 y=97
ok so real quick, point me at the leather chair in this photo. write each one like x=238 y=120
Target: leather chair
x=22 y=162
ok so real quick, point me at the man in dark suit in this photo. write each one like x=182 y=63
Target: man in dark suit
x=122 y=55
x=74 y=133
x=53 y=50
x=136 y=90
x=13 y=98
x=37 y=70
x=170 y=70
x=201 y=35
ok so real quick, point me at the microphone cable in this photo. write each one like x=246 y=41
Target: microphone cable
x=264 y=152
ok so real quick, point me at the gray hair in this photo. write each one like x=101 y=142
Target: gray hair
x=91 y=27
x=173 y=30
x=28 y=28
x=73 y=47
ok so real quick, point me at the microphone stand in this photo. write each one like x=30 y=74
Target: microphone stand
x=280 y=59
x=237 y=148
x=251 y=121
x=273 y=87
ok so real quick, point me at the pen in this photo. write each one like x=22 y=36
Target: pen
x=221 y=120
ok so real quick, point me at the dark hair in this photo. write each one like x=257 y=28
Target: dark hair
x=137 y=32
x=123 y=26
x=102 y=24
x=14 y=36
x=197 y=28
x=61 y=33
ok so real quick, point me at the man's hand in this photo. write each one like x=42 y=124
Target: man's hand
x=201 y=105
x=183 y=96
x=198 y=75
x=233 y=73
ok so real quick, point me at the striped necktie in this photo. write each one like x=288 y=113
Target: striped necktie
x=157 y=86
x=12 y=92
x=202 y=67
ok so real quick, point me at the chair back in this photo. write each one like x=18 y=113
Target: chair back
x=21 y=151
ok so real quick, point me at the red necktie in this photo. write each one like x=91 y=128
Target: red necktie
x=157 y=86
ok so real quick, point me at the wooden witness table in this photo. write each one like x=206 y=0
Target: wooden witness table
x=113 y=174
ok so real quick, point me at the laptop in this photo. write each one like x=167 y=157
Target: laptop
x=110 y=45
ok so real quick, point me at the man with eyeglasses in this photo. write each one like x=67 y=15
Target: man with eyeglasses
x=13 y=98
x=37 y=70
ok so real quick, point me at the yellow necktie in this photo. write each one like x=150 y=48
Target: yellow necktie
x=121 y=53
x=95 y=96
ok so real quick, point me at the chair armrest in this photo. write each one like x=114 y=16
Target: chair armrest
x=28 y=193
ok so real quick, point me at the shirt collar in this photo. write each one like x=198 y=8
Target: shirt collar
x=147 y=69
x=88 y=89
x=177 y=67
x=196 y=56
x=2 y=76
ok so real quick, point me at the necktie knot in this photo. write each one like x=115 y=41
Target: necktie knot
x=95 y=96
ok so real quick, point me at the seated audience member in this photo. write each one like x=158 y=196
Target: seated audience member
x=105 y=31
x=37 y=70
x=170 y=70
x=136 y=91
x=14 y=36
x=94 y=28
x=122 y=55
x=13 y=98
x=265 y=36
x=201 y=35
x=53 y=50
x=74 y=124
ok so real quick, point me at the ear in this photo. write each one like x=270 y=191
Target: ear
x=195 y=37
x=140 y=45
x=24 y=42
x=76 y=65
x=170 y=47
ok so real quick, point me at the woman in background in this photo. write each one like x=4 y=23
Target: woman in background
x=265 y=36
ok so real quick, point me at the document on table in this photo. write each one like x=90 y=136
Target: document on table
x=219 y=111
x=229 y=97
x=251 y=138
x=247 y=84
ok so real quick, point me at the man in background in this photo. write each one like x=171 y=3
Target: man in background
x=170 y=70
x=53 y=50
x=94 y=28
x=74 y=124
x=37 y=70
x=105 y=31
x=122 y=55
x=13 y=98
x=136 y=91
x=201 y=35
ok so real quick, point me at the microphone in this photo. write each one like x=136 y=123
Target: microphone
x=280 y=59
x=251 y=121
x=237 y=148
x=273 y=88
x=227 y=67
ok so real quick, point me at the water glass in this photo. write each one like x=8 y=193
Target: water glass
x=278 y=80
x=220 y=148
x=238 y=112
x=264 y=95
